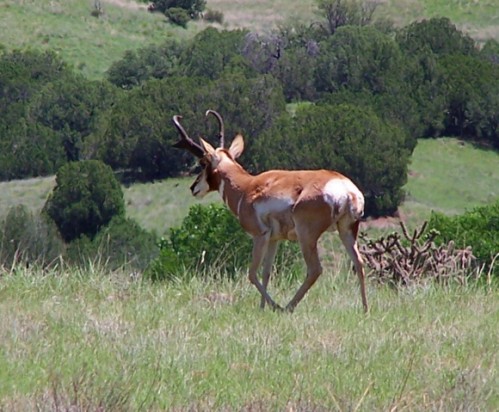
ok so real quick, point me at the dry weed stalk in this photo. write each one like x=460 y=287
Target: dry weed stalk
x=416 y=258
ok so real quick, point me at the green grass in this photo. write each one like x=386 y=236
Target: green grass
x=451 y=176
x=29 y=192
x=480 y=19
x=94 y=339
x=161 y=205
x=88 y=43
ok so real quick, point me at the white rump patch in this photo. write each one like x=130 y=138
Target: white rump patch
x=341 y=194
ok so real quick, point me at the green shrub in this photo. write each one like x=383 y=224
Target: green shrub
x=213 y=16
x=192 y=8
x=153 y=61
x=346 y=138
x=178 y=16
x=122 y=243
x=86 y=197
x=211 y=51
x=437 y=35
x=360 y=59
x=29 y=239
x=211 y=239
x=478 y=228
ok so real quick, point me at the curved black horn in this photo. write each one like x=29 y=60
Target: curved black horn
x=220 y=124
x=185 y=141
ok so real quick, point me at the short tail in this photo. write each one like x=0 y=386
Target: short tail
x=356 y=205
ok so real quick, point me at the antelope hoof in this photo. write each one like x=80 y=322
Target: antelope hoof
x=276 y=307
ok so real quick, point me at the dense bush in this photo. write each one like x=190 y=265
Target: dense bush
x=490 y=51
x=337 y=13
x=289 y=54
x=28 y=238
x=192 y=8
x=152 y=62
x=27 y=148
x=120 y=244
x=137 y=133
x=471 y=92
x=345 y=138
x=178 y=16
x=438 y=36
x=213 y=16
x=211 y=239
x=86 y=197
x=478 y=228
x=46 y=112
x=69 y=109
x=211 y=51
x=359 y=59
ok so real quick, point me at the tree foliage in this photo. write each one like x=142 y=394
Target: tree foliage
x=345 y=138
x=28 y=238
x=192 y=8
x=471 y=92
x=122 y=243
x=338 y=13
x=438 y=36
x=211 y=52
x=359 y=58
x=138 y=134
x=86 y=197
x=152 y=62
x=46 y=112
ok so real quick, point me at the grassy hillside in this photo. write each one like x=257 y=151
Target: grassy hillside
x=450 y=176
x=91 y=44
x=480 y=19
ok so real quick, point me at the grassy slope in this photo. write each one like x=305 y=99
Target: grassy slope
x=450 y=176
x=101 y=342
x=479 y=18
x=91 y=44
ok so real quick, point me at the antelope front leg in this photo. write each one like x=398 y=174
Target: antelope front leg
x=268 y=260
x=260 y=249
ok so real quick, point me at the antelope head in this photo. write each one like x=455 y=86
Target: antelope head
x=209 y=157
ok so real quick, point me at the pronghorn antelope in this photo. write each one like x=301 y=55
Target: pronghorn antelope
x=279 y=205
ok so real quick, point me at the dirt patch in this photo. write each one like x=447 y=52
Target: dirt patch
x=385 y=222
x=382 y=223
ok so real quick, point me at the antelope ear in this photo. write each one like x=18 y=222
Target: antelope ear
x=208 y=148
x=237 y=147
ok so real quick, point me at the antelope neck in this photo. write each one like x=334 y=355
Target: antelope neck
x=231 y=187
